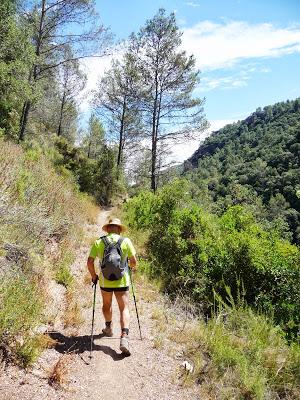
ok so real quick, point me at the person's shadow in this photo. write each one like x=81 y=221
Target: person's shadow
x=80 y=344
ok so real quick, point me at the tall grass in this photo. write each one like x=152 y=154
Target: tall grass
x=41 y=217
x=238 y=352
x=20 y=312
x=241 y=354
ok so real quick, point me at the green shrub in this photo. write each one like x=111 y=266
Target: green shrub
x=241 y=354
x=41 y=217
x=21 y=308
x=140 y=210
x=63 y=276
x=200 y=253
x=97 y=176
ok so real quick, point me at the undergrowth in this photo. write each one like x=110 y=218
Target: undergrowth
x=241 y=354
x=237 y=353
x=41 y=217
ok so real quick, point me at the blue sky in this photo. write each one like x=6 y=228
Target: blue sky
x=248 y=51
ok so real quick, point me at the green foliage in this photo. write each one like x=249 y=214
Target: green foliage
x=255 y=162
x=246 y=356
x=200 y=253
x=94 y=142
x=16 y=56
x=97 y=176
x=63 y=274
x=21 y=307
x=41 y=214
x=140 y=210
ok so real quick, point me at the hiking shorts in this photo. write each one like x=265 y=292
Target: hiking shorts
x=117 y=289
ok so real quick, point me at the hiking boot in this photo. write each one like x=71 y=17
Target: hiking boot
x=124 y=345
x=107 y=331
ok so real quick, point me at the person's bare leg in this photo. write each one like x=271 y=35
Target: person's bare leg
x=123 y=303
x=106 y=305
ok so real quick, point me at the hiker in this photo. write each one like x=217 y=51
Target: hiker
x=114 y=253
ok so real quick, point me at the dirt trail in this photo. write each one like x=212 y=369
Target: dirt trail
x=147 y=374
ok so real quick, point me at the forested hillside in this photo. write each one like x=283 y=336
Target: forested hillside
x=43 y=170
x=255 y=162
x=222 y=240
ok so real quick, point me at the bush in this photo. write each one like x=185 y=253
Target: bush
x=96 y=176
x=241 y=354
x=21 y=308
x=41 y=217
x=200 y=253
x=140 y=210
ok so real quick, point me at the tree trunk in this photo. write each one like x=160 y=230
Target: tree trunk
x=89 y=147
x=154 y=136
x=121 y=139
x=121 y=134
x=59 y=130
x=153 y=165
x=23 y=120
x=27 y=104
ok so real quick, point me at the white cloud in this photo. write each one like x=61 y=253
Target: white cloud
x=216 y=46
x=236 y=80
x=182 y=152
x=95 y=68
x=192 y=4
x=221 y=45
x=229 y=82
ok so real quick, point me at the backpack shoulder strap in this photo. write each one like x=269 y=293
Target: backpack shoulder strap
x=120 y=241
x=105 y=241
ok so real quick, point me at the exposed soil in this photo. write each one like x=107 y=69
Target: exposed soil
x=149 y=373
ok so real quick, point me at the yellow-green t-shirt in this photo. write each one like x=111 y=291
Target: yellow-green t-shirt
x=128 y=250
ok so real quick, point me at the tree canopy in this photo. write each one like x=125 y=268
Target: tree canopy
x=255 y=158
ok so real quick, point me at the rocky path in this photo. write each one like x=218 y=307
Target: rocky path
x=149 y=373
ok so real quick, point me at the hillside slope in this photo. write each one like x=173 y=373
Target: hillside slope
x=65 y=371
x=41 y=217
x=258 y=156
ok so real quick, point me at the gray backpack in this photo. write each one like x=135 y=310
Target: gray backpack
x=114 y=264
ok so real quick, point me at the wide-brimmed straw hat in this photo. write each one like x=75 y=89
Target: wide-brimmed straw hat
x=114 y=221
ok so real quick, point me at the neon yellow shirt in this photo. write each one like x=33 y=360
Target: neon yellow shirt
x=97 y=250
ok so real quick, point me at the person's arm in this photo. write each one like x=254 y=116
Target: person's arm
x=91 y=268
x=132 y=262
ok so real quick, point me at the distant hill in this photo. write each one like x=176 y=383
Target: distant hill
x=257 y=158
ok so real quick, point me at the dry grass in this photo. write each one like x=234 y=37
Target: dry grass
x=58 y=376
x=92 y=209
x=41 y=219
x=47 y=342
x=172 y=320
x=158 y=342
x=72 y=316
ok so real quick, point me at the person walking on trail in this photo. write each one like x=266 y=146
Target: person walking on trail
x=114 y=253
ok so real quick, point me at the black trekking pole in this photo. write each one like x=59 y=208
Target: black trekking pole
x=137 y=314
x=92 y=333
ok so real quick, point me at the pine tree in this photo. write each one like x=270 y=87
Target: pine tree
x=52 y=23
x=167 y=80
x=115 y=101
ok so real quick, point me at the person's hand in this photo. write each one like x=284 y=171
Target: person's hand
x=95 y=279
x=132 y=263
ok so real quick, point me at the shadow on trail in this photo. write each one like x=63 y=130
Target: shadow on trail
x=80 y=344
